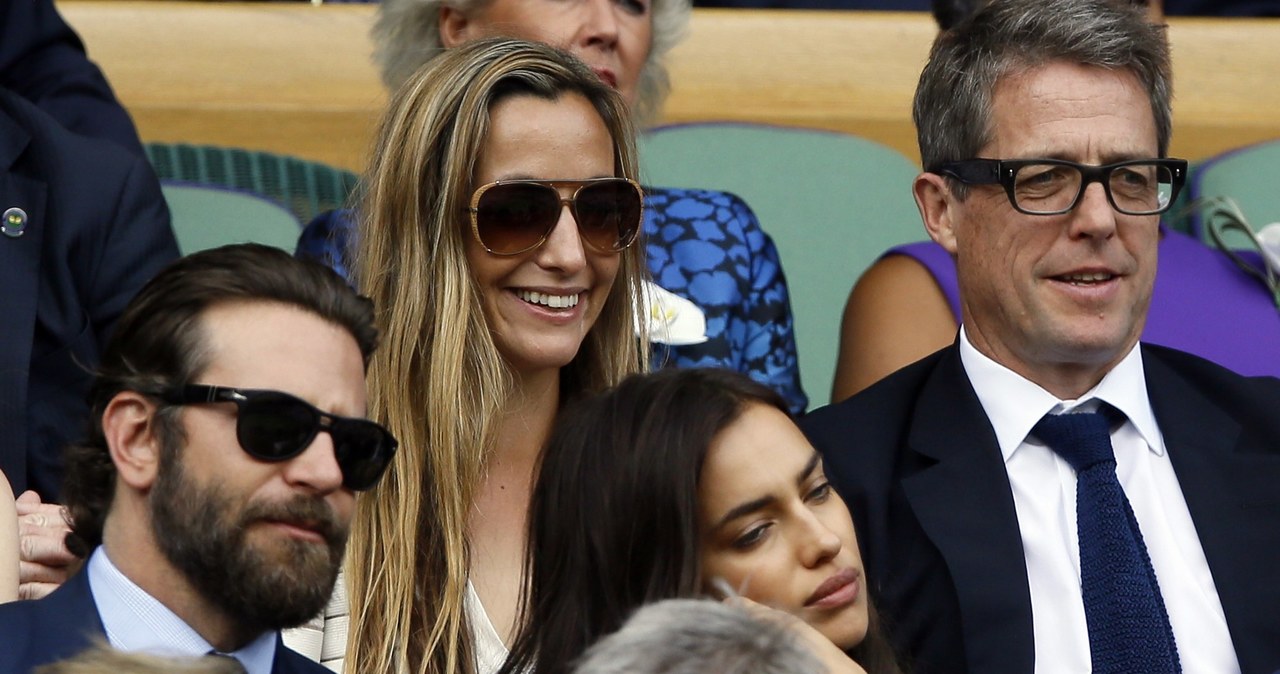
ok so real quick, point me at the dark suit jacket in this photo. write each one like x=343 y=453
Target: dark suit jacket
x=97 y=229
x=918 y=463
x=42 y=60
x=34 y=633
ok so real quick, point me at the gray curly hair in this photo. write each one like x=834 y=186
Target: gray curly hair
x=407 y=35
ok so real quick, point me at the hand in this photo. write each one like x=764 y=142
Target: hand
x=44 y=562
x=832 y=658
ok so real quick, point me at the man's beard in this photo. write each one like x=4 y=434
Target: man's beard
x=203 y=531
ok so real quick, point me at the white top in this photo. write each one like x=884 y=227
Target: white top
x=136 y=621
x=1044 y=494
x=490 y=651
x=324 y=638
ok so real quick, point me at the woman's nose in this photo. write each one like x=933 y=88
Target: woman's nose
x=563 y=249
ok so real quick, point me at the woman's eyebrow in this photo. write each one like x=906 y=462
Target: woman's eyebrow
x=809 y=467
x=744 y=509
x=760 y=503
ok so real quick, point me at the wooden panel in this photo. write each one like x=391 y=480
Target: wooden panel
x=291 y=78
x=1226 y=91
x=844 y=71
x=297 y=78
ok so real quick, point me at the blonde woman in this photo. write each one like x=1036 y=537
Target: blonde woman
x=496 y=241
x=721 y=299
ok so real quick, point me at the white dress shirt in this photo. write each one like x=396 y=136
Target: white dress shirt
x=1044 y=494
x=136 y=621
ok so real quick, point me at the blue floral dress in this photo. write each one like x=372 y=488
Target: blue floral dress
x=703 y=245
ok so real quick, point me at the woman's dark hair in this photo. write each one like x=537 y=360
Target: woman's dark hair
x=613 y=522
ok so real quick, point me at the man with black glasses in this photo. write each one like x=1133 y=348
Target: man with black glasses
x=218 y=481
x=1048 y=495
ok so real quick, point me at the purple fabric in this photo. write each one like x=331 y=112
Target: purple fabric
x=1202 y=303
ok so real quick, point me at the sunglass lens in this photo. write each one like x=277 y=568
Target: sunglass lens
x=608 y=214
x=363 y=450
x=514 y=217
x=276 y=427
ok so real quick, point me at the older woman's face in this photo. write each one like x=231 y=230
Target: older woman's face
x=613 y=37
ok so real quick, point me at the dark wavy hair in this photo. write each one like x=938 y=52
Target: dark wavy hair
x=613 y=523
x=159 y=343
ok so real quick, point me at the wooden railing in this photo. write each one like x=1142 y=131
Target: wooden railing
x=297 y=78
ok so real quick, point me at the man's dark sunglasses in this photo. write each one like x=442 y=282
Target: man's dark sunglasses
x=276 y=426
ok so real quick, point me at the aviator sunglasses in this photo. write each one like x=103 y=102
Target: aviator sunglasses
x=509 y=217
x=275 y=426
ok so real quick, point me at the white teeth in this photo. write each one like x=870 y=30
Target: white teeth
x=552 y=301
x=1087 y=278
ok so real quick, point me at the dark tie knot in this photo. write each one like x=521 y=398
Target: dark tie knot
x=1084 y=440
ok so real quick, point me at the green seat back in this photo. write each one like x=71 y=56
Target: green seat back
x=208 y=217
x=307 y=188
x=1248 y=176
x=831 y=202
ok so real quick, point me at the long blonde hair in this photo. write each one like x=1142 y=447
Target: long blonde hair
x=438 y=381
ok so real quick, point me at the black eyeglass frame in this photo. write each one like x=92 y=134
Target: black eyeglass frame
x=571 y=201
x=202 y=394
x=1005 y=172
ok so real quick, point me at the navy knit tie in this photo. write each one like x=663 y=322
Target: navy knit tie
x=1129 y=629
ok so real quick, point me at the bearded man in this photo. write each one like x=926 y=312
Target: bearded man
x=218 y=481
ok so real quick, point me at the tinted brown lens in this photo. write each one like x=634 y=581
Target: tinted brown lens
x=608 y=214
x=514 y=217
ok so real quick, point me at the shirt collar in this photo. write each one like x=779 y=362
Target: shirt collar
x=136 y=621
x=1015 y=404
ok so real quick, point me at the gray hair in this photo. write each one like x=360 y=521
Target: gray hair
x=407 y=35
x=101 y=658
x=952 y=108
x=694 y=636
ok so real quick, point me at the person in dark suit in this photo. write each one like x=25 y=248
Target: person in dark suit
x=84 y=225
x=44 y=61
x=980 y=524
x=216 y=486
x=90 y=227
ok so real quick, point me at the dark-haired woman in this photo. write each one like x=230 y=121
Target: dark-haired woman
x=676 y=484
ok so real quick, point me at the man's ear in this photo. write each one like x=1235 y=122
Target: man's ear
x=937 y=207
x=129 y=425
x=455 y=27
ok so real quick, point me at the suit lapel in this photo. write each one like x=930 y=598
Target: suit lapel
x=19 y=290
x=67 y=621
x=965 y=505
x=1230 y=489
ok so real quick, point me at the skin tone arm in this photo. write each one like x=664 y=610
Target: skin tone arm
x=8 y=543
x=895 y=316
